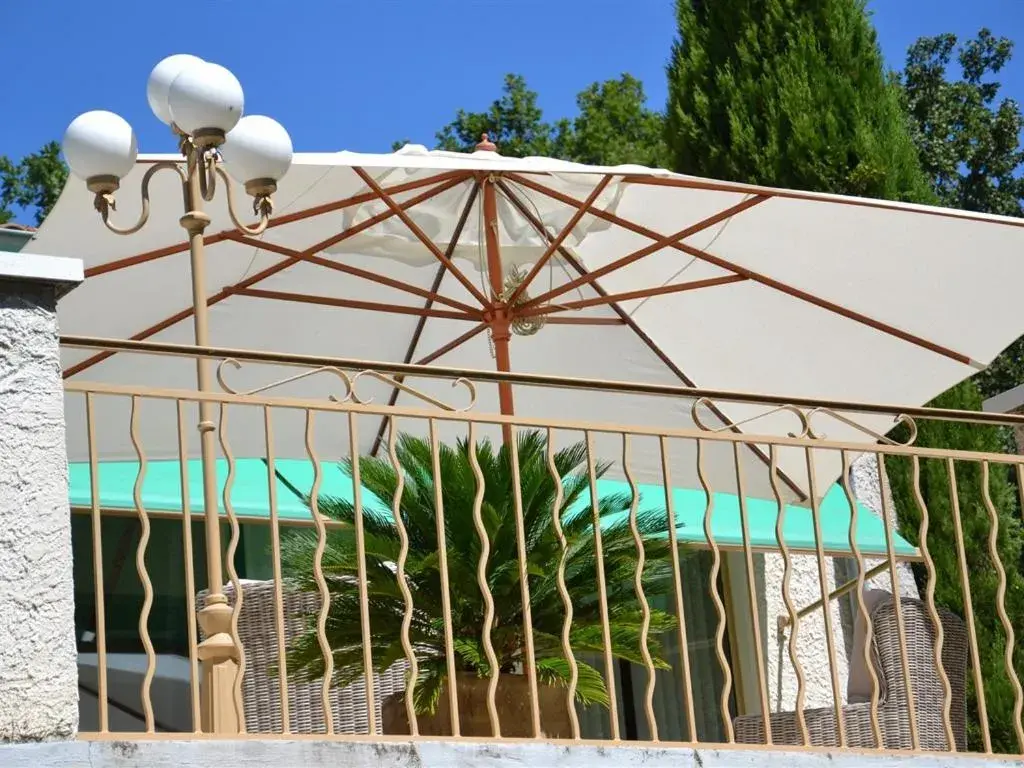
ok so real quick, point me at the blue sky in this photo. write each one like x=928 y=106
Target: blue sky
x=355 y=74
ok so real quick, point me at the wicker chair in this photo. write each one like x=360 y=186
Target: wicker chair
x=893 y=719
x=261 y=688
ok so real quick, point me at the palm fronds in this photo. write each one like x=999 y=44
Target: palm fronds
x=417 y=512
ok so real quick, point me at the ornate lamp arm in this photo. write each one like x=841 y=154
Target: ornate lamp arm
x=262 y=205
x=105 y=203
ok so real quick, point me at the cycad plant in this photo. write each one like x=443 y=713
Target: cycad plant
x=543 y=553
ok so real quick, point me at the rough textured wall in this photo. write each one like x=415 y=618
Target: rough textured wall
x=449 y=754
x=38 y=672
x=811 y=647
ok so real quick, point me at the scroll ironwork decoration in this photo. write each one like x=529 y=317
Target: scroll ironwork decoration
x=806 y=420
x=349 y=381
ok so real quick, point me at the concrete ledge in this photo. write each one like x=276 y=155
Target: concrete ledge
x=446 y=754
x=58 y=271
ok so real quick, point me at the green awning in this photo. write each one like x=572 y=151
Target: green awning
x=161 y=492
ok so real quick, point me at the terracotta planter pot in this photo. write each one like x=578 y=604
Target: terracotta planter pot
x=512 y=700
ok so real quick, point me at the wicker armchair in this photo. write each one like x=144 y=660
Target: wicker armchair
x=893 y=719
x=261 y=689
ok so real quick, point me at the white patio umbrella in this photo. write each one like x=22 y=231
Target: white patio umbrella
x=638 y=274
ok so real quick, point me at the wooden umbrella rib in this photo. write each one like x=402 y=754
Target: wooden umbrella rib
x=452 y=345
x=817 y=301
x=648 y=341
x=398 y=209
x=348 y=269
x=253 y=279
x=421 y=323
x=422 y=237
x=277 y=221
x=554 y=245
x=589 y=277
x=752 y=275
x=374 y=306
x=643 y=293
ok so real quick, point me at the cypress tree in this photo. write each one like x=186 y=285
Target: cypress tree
x=788 y=93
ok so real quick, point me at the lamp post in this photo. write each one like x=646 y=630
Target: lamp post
x=202 y=103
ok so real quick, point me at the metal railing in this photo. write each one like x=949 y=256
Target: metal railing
x=578 y=580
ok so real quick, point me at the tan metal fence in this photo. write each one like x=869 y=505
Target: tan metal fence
x=578 y=580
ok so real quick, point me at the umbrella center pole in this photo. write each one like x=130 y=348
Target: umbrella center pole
x=498 y=315
x=500 y=326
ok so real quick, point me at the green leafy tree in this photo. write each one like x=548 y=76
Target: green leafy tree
x=968 y=138
x=975 y=516
x=613 y=125
x=35 y=182
x=458 y=489
x=788 y=93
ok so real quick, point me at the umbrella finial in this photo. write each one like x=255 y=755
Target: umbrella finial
x=486 y=145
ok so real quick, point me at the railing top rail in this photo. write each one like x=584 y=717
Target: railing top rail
x=397 y=411
x=532 y=379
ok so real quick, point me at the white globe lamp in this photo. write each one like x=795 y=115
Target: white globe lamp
x=258 y=152
x=100 y=148
x=160 y=80
x=206 y=102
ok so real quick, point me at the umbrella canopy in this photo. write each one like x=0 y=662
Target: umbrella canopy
x=622 y=273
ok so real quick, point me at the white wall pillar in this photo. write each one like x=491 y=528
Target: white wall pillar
x=38 y=672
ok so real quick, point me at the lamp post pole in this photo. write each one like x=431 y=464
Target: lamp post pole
x=202 y=103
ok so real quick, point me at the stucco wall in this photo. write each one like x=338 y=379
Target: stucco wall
x=38 y=692
x=812 y=649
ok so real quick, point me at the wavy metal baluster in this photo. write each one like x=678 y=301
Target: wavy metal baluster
x=403 y=580
x=97 y=566
x=638 y=589
x=530 y=658
x=862 y=607
x=1018 y=704
x=940 y=635
x=318 y=573
x=755 y=619
x=993 y=536
x=442 y=566
x=229 y=564
x=887 y=525
x=787 y=596
x=563 y=590
x=481 y=580
x=602 y=592
x=673 y=541
x=140 y=567
x=190 y=579
x=965 y=584
x=275 y=554
x=826 y=608
x=364 y=595
x=716 y=565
